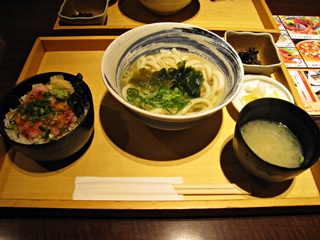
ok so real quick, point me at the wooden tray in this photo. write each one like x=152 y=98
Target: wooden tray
x=218 y=16
x=124 y=147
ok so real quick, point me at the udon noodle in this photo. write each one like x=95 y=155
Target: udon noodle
x=212 y=89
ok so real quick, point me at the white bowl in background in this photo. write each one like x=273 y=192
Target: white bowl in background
x=165 y=7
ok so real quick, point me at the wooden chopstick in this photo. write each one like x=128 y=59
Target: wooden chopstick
x=211 y=189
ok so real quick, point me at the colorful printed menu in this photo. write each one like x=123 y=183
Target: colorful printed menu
x=307 y=89
x=299 y=41
x=299 y=48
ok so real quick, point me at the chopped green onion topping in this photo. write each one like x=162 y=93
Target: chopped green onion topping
x=301 y=159
x=170 y=89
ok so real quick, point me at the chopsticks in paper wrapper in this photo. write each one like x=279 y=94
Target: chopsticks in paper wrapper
x=145 y=189
x=126 y=188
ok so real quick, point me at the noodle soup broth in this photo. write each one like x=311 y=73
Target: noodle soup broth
x=173 y=82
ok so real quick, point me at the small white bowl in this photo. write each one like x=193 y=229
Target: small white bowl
x=269 y=84
x=165 y=7
x=262 y=42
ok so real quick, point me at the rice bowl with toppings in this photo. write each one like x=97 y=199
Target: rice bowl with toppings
x=48 y=116
x=46 y=113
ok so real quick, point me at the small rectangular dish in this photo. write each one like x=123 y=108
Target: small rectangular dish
x=261 y=44
x=83 y=12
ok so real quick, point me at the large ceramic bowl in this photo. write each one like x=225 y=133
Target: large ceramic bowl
x=297 y=120
x=165 y=7
x=149 y=38
x=65 y=146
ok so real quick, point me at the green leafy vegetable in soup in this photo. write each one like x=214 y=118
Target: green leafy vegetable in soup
x=168 y=88
x=173 y=82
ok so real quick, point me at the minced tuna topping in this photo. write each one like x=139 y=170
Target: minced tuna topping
x=46 y=112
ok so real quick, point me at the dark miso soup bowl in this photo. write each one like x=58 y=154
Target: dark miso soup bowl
x=62 y=148
x=296 y=119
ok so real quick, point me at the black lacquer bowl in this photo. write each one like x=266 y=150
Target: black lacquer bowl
x=65 y=146
x=296 y=119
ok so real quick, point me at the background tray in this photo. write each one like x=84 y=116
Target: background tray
x=123 y=147
x=218 y=16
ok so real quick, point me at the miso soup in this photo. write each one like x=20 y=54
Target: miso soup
x=273 y=142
